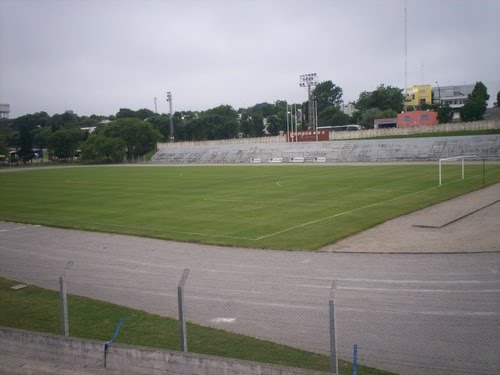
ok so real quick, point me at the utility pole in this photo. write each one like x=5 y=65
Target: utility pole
x=156 y=108
x=169 y=100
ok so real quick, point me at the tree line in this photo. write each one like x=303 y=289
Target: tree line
x=131 y=133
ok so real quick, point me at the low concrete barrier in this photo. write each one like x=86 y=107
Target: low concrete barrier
x=140 y=360
x=414 y=130
x=363 y=134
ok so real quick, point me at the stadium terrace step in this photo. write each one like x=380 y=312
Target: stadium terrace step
x=373 y=150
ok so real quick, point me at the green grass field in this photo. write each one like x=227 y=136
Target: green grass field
x=37 y=309
x=282 y=207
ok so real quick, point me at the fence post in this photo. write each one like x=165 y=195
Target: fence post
x=334 y=364
x=182 y=320
x=355 y=360
x=483 y=171
x=64 y=306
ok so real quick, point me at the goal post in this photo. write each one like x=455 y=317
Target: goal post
x=458 y=158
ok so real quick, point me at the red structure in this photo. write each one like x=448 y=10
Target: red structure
x=308 y=136
x=417 y=118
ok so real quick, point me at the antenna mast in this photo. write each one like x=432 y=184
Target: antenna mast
x=406 y=52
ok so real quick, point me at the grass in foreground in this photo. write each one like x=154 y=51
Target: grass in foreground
x=281 y=207
x=37 y=309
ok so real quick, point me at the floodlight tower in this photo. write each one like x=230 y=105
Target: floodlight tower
x=169 y=100
x=310 y=80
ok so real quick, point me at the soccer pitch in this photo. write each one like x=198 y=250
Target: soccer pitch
x=279 y=207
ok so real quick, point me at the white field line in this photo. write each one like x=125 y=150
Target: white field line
x=347 y=212
x=169 y=230
x=145 y=228
x=280 y=200
x=264 y=236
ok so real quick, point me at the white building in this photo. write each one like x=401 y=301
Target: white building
x=348 y=108
x=454 y=96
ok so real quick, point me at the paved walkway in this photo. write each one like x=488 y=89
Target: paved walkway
x=469 y=223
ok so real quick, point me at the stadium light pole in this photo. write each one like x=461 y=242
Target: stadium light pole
x=309 y=80
x=169 y=100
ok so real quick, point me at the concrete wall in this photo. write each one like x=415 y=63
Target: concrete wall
x=370 y=133
x=133 y=359
x=237 y=141
x=411 y=130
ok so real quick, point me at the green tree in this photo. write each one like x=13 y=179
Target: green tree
x=4 y=149
x=369 y=115
x=383 y=98
x=144 y=113
x=222 y=110
x=26 y=145
x=219 y=127
x=139 y=136
x=125 y=113
x=273 y=125
x=100 y=148
x=252 y=126
x=32 y=121
x=327 y=94
x=332 y=116
x=445 y=114
x=475 y=106
x=64 y=142
x=162 y=124
x=40 y=136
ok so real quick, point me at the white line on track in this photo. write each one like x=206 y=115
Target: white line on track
x=389 y=281
x=406 y=290
x=291 y=306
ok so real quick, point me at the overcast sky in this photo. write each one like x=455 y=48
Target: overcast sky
x=97 y=56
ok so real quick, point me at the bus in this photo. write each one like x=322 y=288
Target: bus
x=341 y=128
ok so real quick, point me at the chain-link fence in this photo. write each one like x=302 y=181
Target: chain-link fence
x=393 y=329
x=401 y=326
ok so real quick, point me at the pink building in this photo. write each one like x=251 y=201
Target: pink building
x=417 y=118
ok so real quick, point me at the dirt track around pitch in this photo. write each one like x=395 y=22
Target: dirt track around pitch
x=469 y=223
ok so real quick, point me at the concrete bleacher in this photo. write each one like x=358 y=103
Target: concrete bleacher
x=373 y=150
